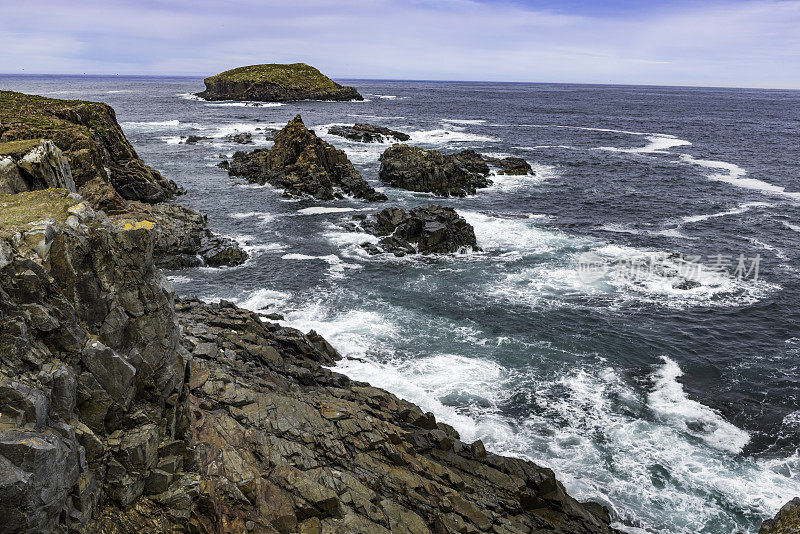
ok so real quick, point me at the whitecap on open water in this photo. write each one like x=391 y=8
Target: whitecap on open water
x=674 y=404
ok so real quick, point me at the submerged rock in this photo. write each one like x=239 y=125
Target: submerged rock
x=275 y=83
x=302 y=164
x=511 y=166
x=90 y=138
x=243 y=138
x=194 y=139
x=368 y=133
x=32 y=165
x=424 y=230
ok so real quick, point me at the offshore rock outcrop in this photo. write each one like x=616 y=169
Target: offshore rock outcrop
x=275 y=83
x=368 y=133
x=302 y=164
x=458 y=174
x=89 y=136
x=32 y=165
x=124 y=413
x=424 y=230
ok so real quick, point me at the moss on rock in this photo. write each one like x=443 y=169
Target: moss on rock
x=89 y=136
x=275 y=82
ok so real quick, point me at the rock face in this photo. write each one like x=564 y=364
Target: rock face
x=786 y=521
x=429 y=230
x=368 y=133
x=32 y=165
x=416 y=169
x=124 y=413
x=302 y=164
x=89 y=136
x=275 y=83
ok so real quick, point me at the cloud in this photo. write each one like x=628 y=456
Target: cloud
x=720 y=43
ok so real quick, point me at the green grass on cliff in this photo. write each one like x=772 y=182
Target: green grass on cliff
x=25 y=116
x=14 y=148
x=23 y=208
x=295 y=75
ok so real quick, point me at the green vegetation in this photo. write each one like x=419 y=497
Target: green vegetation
x=15 y=148
x=295 y=75
x=23 y=208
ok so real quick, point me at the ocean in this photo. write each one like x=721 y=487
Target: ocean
x=566 y=340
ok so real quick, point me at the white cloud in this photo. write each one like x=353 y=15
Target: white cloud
x=749 y=44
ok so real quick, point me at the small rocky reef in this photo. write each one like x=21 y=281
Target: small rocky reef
x=424 y=230
x=89 y=137
x=368 y=133
x=458 y=174
x=123 y=410
x=275 y=82
x=302 y=164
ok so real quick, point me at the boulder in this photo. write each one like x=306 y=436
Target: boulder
x=32 y=165
x=302 y=164
x=275 y=83
x=368 y=133
x=421 y=170
x=424 y=230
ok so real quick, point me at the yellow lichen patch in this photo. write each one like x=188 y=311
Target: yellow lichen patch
x=128 y=225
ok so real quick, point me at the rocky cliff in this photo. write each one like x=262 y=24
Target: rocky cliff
x=124 y=412
x=90 y=138
x=275 y=83
x=33 y=164
x=302 y=164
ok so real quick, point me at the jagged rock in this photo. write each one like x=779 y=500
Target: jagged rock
x=32 y=165
x=458 y=174
x=111 y=370
x=424 y=230
x=275 y=83
x=303 y=164
x=368 y=133
x=416 y=169
x=90 y=138
x=786 y=521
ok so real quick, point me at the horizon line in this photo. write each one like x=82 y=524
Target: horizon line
x=345 y=78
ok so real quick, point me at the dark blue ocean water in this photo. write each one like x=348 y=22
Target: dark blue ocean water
x=676 y=408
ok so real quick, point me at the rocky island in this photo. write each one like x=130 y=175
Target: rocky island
x=275 y=83
x=302 y=164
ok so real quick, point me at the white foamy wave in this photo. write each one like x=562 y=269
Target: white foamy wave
x=538 y=147
x=589 y=129
x=336 y=268
x=190 y=96
x=246 y=104
x=734 y=175
x=172 y=139
x=500 y=234
x=151 y=124
x=736 y=211
x=263 y=298
x=320 y=210
x=178 y=279
x=658 y=144
x=262 y=216
x=511 y=182
x=791 y=226
x=464 y=121
x=671 y=405
x=442 y=136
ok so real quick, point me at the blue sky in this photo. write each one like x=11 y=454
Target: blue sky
x=677 y=42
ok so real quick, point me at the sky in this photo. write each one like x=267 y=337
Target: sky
x=735 y=43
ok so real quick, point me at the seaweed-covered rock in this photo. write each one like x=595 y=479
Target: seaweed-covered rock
x=424 y=230
x=275 y=83
x=302 y=164
x=32 y=165
x=90 y=138
x=417 y=169
x=368 y=133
